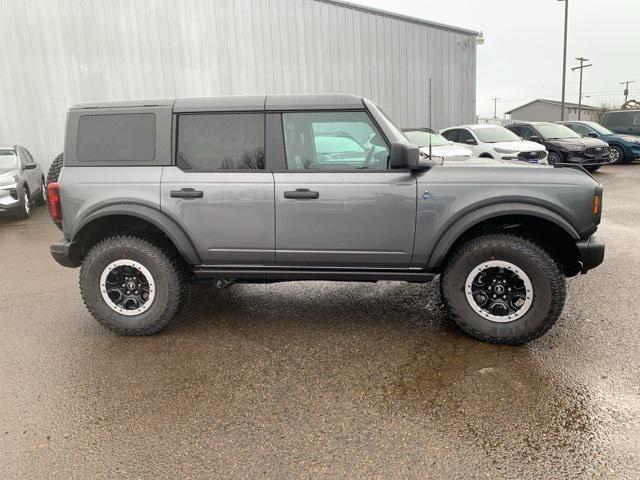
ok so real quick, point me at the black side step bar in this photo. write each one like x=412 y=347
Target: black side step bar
x=205 y=273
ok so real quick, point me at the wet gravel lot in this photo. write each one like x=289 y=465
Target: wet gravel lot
x=319 y=379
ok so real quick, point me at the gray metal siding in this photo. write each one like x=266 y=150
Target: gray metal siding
x=56 y=53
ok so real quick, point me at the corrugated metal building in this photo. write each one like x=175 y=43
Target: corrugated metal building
x=55 y=53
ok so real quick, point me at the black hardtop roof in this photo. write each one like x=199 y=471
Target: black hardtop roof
x=329 y=101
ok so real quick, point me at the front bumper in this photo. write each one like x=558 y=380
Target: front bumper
x=591 y=252
x=64 y=253
x=584 y=161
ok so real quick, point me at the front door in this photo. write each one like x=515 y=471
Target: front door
x=220 y=192
x=337 y=204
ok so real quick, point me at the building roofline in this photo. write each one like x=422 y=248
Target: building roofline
x=553 y=102
x=398 y=16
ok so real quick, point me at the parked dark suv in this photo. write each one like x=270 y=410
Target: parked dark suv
x=623 y=121
x=156 y=194
x=624 y=148
x=565 y=145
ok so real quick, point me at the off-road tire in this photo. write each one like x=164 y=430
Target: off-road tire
x=620 y=155
x=168 y=275
x=548 y=281
x=54 y=169
x=25 y=211
x=52 y=176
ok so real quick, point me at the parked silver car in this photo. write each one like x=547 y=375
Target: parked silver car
x=21 y=182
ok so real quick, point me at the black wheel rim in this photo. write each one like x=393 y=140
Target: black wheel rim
x=499 y=291
x=127 y=287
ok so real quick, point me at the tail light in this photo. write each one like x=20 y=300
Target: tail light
x=55 y=209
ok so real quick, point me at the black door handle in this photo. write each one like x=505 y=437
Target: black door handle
x=186 y=193
x=302 y=193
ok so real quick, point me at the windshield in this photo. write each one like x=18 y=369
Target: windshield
x=495 y=135
x=551 y=131
x=8 y=159
x=422 y=138
x=599 y=128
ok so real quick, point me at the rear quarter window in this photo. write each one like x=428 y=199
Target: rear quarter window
x=118 y=138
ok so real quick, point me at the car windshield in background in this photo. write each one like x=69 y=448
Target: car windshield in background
x=495 y=135
x=422 y=138
x=599 y=128
x=8 y=159
x=337 y=143
x=551 y=131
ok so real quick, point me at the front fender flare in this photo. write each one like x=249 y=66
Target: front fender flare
x=170 y=228
x=460 y=226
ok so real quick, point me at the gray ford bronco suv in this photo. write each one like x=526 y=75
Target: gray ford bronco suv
x=155 y=195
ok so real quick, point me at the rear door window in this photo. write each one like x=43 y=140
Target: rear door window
x=116 y=138
x=451 y=135
x=221 y=142
x=466 y=137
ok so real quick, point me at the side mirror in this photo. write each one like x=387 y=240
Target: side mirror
x=29 y=166
x=534 y=138
x=470 y=141
x=592 y=135
x=404 y=155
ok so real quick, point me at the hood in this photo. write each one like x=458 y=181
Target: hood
x=447 y=151
x=520 y=146
x=623 y=137
x=572 y=143
x=8 y=172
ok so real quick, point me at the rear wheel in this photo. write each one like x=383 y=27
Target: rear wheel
x=617 y=155
x=503 y=289
x=131 y=286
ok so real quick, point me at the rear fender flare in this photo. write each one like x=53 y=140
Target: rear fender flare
x=155 y=217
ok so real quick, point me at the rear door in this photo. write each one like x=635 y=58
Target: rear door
x=219 y=189
x=337 y=204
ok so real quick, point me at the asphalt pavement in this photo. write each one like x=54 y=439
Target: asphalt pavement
x=319 y=379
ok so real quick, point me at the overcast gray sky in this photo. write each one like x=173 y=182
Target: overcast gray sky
x=522 y=56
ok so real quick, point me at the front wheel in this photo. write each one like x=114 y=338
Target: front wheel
x=42 y=197
x=131 y=286
x=503 y=289
x=25 y=207
x=616 y=155
x=553 y=158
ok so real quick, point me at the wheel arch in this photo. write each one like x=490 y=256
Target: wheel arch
x=132 y=219
x=542 y=225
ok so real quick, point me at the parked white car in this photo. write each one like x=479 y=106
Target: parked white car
x=492 y=141
x=440 y=146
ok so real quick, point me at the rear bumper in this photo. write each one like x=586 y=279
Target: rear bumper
x=591 y=252
x=63 y=253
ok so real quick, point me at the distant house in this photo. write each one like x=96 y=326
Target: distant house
x=542 y=110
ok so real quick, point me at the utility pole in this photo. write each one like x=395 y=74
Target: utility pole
x=626 y=88
x=564 y=56
x=495 y=106
x=581 y=68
